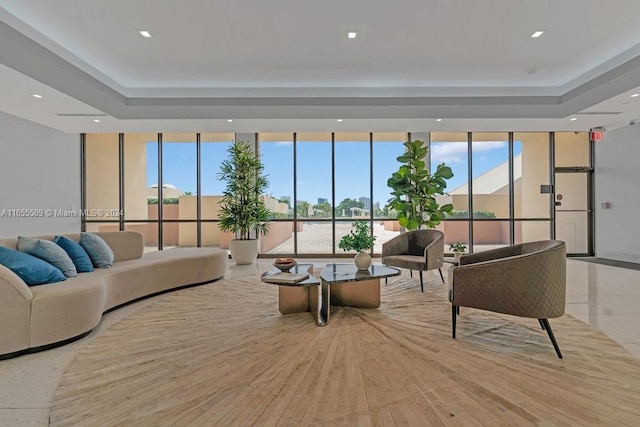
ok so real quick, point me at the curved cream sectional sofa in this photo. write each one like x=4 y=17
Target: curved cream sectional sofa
x=39 y=317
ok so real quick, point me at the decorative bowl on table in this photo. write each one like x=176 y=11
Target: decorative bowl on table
x=284 y=264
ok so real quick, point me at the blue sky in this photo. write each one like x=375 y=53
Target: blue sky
x=314 y=166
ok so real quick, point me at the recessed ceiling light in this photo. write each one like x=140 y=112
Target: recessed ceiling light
x=573 y=119
x=230 y=120
x=35 y=95
x=352 y=34
x=536 y=34
x=635 y=95
x=438 y=120
x=144 y=33
x=339 y=120
x=96 y=120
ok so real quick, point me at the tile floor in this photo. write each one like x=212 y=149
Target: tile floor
x=605 y=297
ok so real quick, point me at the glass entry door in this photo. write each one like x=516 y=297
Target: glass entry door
x=572 y=211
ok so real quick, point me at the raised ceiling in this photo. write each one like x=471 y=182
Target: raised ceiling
x=284 y=65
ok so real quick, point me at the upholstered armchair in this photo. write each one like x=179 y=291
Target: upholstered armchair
x=527 y=280
x=420 y=250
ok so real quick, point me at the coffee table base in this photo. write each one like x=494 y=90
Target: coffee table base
x=361 y=294
x=339 y=284
x=316 y=299
x=293 y=299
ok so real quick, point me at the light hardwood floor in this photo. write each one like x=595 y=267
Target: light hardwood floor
x=221 y=354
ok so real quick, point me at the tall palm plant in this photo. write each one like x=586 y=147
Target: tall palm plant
x=242 y=209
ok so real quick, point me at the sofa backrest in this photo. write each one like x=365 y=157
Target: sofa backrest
x=126 y=245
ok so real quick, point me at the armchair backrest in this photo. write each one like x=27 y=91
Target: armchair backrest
x=418 y=240
x=510 y=251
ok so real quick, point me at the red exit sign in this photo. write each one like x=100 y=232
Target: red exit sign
x=597 y=135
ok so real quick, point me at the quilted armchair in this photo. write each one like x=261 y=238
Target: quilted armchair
x=420 y=250
x=527 y=280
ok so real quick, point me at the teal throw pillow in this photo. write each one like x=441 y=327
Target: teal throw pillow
x=50 y=252
x=77 y=254
x=100 y=253
x=33 y=271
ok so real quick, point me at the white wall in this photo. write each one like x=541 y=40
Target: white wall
x=39 y=169
x=618 y=181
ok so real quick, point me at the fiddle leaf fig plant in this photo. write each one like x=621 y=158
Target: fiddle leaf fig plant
x=415 y=189
x=241 y=208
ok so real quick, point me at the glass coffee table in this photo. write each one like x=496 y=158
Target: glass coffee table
x=294 y=297
x=339 y=284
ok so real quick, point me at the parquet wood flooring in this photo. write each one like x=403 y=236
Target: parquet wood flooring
x=221 y=354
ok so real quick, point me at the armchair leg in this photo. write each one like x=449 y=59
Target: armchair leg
x=454 y=313
x=411 y=273
x=541 y=324
x=441 y=276
x=547 y=327
x=421 y=285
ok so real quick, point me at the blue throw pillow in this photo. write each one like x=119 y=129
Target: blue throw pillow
x=33 y=271
x=50 y=252
x=100 y=253
x=77 y=254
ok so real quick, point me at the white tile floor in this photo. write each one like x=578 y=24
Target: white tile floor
x=607 y=298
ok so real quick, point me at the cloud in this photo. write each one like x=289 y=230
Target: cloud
x=456 y=152
x=488 y=145
x=449 y=152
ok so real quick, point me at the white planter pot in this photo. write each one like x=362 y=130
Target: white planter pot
x=244 y=251
x=457 y=255
x=362 y=260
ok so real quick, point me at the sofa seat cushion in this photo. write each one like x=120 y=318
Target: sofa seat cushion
x=66 y=309
x=161 y=271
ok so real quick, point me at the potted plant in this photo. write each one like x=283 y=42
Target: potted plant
x=415 y=189
x=359 y=240
x=242 y=211
x=458 y=248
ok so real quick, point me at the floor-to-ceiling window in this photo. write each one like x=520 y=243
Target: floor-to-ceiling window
x=165 y=186
x=531 y=186
x=490 y=190
x=314 y=198
x=386 y=149
x=141 y=180
x=153 y=180
x=352 y=172
x=452 y=149
x=213 y=150
x=276 y=153
x=179 y=183
x=500 y=189
x=102 y=182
